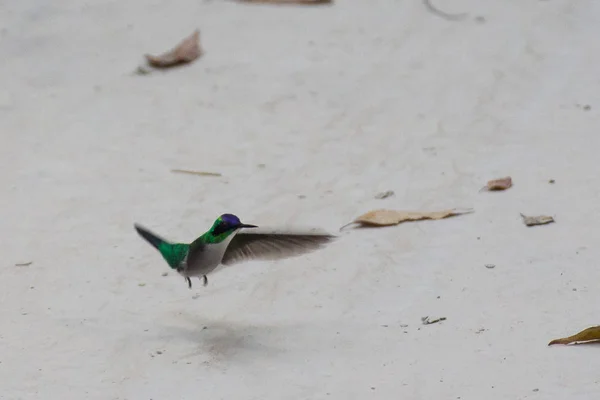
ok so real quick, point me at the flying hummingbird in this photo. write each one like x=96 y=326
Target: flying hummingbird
x=229 y=241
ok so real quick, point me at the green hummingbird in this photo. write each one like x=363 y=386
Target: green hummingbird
x=229 y=241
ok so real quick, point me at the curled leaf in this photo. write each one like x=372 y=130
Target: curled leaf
x=185 y=52
x=393 y=217
x=537 y=220
x=498 y=184
x=586 y=335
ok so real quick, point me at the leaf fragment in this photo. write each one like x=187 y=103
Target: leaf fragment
x=141 y=70
x=537 y=220
x=185 y=52
x=498 y=184
x=587 y=335
x=384 y=195
x=383 y=217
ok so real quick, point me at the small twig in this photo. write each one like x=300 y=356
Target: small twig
x=199 y=173
x=26 y=264
x=442 y=14
x=347 y=225
x=426 y=320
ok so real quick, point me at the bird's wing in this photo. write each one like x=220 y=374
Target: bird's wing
x=266 y=244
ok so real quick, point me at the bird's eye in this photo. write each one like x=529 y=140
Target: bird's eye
x=221 y=228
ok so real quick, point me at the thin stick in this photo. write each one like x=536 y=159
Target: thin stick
x=440 y=13
x=199 y=173
x=427 y=321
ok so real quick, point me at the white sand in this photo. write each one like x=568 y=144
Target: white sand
x=339 y=103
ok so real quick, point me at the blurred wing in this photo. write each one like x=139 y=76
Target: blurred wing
x=259 y=244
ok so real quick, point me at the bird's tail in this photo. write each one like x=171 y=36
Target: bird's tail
x=150 y=237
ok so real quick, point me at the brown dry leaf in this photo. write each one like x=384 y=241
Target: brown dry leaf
x=185 y=52
x=393 y=217
x=300 y=2
x=586 y=335
x=537 y=220
x=498 y=184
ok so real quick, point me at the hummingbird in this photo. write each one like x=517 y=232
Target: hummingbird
x=228 y=242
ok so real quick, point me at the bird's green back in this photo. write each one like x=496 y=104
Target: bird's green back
x=173 y=253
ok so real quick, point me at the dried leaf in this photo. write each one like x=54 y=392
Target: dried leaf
x=392 y=217
x=299 y=2
x=586 y=335
x=498 y=184
x=537 y=220
x=185 y=52
x=199 y=173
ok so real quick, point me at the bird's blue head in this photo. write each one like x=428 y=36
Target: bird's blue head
x=224 y=226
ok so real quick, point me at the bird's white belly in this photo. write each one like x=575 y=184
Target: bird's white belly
x=210 y=260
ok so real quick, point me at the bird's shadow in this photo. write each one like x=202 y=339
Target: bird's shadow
x=226 y=340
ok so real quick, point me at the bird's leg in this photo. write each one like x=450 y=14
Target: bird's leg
x=189 y=281
x=205 y=280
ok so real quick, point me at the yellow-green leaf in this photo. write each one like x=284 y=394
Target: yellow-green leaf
x=586 y=335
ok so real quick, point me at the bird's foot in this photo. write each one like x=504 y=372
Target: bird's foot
x=189 y=281
x=205 y=280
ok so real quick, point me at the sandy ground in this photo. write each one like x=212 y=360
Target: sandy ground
x=338 y=103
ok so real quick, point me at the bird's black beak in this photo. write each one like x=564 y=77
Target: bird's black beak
x=247 y=226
